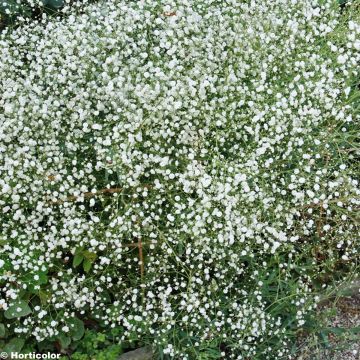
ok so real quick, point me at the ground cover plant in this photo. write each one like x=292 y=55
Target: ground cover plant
x=183 y=175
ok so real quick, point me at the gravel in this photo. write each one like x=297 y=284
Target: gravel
x=341 y=347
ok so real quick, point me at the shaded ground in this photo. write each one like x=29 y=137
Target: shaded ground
x=341 y=340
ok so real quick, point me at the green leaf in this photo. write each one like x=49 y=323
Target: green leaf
x=44 y=296
x=340 y=331
x=105 y=297
x=56 y=4
x=45 y=345
x=14 y=345
x=180 y=248
x=336 y=331
x=18 y=309
x=355 y=330
x=64 y=341
x=89 y=255
x=2 y=330
x=76 y=328
x=78 y=258
x=32 y=283
x=87 y=265
x=119 y=330
x=325 y=339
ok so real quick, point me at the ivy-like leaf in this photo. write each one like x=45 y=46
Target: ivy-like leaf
x=76 y=328
x=64 y=341
x=14 y=345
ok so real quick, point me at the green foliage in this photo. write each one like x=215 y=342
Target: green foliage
x=90 y=337
x=97 y=345
x=53 y=4
x=85 y=257
x=14 y=345
x=76 y=328
x=17 y=309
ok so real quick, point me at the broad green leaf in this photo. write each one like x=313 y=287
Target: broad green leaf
x=14 y=345
x=32 y=282
x=76 y=328
x=89 y=255
x=46 y=345
x=64 y=341
x=78 y=258
x=56 y=4
x=18 y=309
x=87 y=265
x=44 y=296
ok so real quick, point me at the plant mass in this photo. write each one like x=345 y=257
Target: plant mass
x=183 y=175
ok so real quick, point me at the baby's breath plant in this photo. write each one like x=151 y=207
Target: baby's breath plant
x=181 y=174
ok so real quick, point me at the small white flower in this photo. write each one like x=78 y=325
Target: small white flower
x=96 y=127
x=5 y=188
x=342 y=59
x=206 y=181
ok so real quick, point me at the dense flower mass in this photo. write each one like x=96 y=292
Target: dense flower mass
x=177 y=170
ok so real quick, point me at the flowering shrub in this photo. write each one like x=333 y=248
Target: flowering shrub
x=183 y=175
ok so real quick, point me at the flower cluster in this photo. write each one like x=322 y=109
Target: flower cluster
x=175 y=169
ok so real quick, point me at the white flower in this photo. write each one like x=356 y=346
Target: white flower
x=157 y=154
x=5 y=188
x=206 y=181
x=65 y=329
x=96 y=127
x=342 y=59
